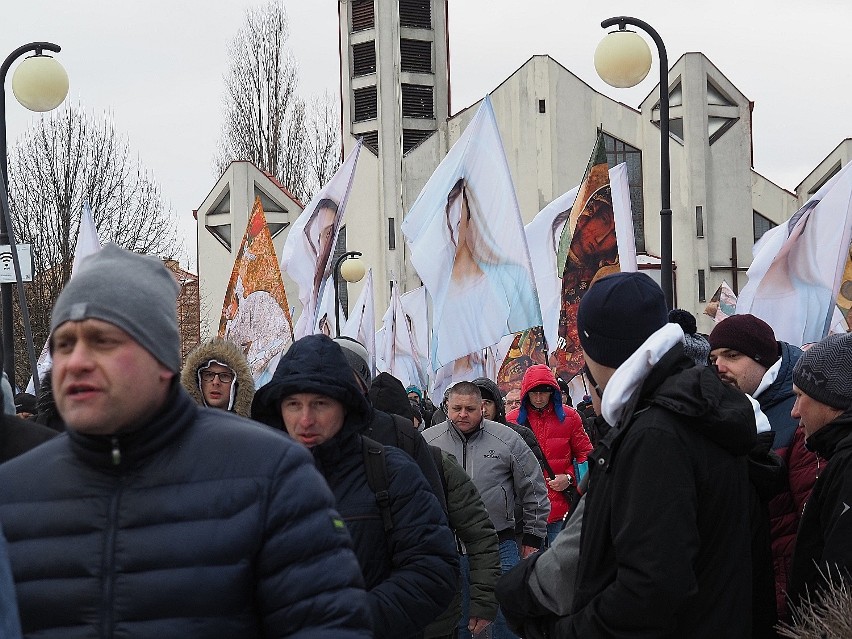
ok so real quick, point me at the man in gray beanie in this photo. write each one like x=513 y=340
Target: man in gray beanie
x=153 y=516
x=665 y=546
x=822 y=381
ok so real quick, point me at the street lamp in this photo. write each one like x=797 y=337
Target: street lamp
x=352 y=270
x=40 y=84
x=622 y=60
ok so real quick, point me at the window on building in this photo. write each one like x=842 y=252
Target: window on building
x=675 y=100
x=717 y=96
x=371 y=140
x=542 y=106
x=218 y=220
x=275 y=213
x=415 y=56
x=366 y=104
x=702 y=286
x=415 y=13
x=363 y=58
x=761 y=225
x=417 y=101
x=363 y=15
x=391 y=234
x=717 y=127
x=617 y=152
x=699 y=221
x=413 y=137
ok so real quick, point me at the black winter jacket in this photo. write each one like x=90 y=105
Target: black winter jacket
x=209 y=526
x=665 y=542
x=389 y=398
x=17 y=436
x=824 y=542
x=411 y=574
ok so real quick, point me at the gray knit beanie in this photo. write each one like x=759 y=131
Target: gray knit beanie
x=357 y=357
x=697 y=348
x=824 y=371
x=135 y=292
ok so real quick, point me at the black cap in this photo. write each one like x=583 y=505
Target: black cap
x=617 y=314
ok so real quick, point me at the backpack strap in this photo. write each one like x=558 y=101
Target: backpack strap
x=377 y=477
x=545 y=465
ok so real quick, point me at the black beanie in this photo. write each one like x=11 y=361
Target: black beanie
x=824 y=371
x=748 y=335
x=685 y=319
x=617 y=314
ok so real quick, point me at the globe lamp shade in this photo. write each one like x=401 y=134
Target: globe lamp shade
x=40 y=83
x=623 y=59
x=352 y=270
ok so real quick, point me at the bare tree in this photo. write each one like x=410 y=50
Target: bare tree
x=293 y=172
x=67 y=158
x=266 y=121
x=323 y=138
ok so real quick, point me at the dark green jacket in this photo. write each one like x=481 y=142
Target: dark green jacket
x=473 y=528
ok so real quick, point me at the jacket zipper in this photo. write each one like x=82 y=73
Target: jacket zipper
x=116 y=452
x=108 y=563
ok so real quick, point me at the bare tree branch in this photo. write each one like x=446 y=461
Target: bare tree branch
x=265 y=120
x=323 y=138
x=69 y=157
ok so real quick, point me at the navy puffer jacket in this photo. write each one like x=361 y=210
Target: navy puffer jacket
x=412 y=573
x=209 y=526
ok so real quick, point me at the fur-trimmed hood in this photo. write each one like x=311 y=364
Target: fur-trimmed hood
x=230 y=355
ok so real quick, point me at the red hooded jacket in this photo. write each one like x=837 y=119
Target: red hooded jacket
x=559 y=430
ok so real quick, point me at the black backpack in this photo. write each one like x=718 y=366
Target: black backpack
x=375 y=465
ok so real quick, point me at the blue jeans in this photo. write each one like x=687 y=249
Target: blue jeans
x=552 y=530
x=510 y=556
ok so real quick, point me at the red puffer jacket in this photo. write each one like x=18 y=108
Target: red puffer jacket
x=559 y=430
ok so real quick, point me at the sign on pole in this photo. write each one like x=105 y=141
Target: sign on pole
x=7 y=266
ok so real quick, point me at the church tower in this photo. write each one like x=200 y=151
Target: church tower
x=395 y=93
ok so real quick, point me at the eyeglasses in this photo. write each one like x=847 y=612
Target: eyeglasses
x=592 y=381
x=225 y=377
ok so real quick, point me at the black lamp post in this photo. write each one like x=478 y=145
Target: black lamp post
x=622 y=66
x=354 y=275
x=55 y=93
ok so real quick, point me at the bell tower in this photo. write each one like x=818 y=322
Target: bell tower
x=395 y=93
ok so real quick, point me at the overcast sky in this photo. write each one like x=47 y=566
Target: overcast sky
x=157 y=68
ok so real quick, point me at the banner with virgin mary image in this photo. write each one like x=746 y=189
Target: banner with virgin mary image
x=468 y=246
x=587 y=250
x=306 y=256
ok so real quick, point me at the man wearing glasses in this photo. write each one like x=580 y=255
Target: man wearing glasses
x=217 y=374
x=513 y=399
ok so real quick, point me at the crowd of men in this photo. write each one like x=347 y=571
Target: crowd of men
x=703 y=490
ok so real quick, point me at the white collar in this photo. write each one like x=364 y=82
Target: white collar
x=769 y=378
x=630 y=375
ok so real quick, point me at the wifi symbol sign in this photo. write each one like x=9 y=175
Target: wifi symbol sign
x=7 y=264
